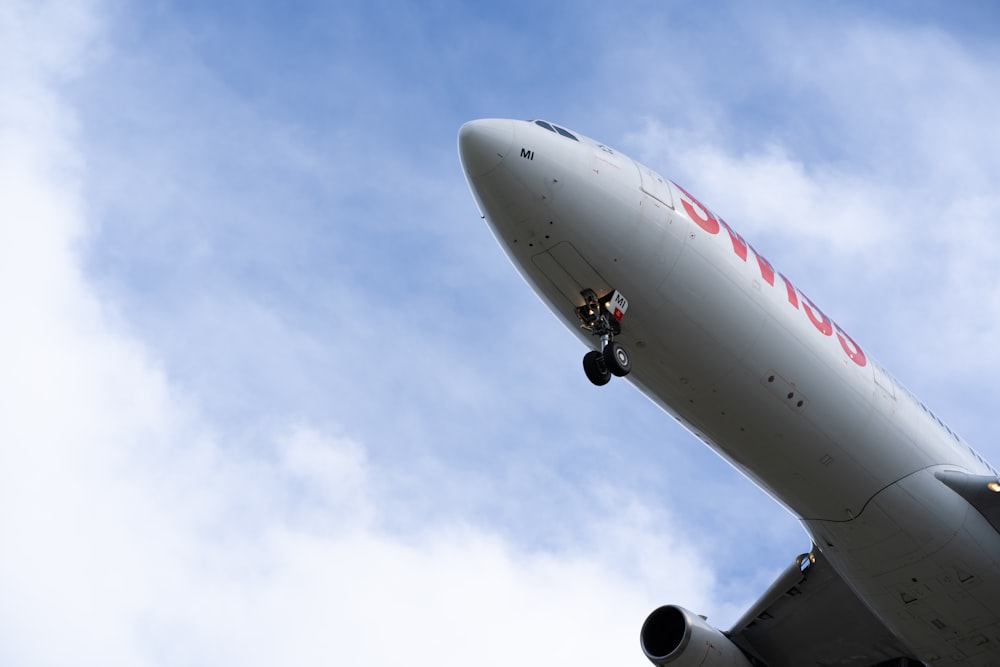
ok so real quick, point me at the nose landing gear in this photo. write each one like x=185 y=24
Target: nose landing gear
x=602 y=317
x=616 y=358
x=595 y=368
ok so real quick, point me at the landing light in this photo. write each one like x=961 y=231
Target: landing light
x=806 y=560
x=994 y=487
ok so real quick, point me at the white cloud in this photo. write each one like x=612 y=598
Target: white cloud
x=136 y=532
x=139 y=529
x=827 y=212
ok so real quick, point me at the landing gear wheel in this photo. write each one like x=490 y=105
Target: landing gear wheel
x=616 y=359
x=595 y=368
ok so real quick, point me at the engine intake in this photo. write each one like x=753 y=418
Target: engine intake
x=674 y=637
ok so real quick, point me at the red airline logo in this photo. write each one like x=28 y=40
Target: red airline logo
x=712 y=224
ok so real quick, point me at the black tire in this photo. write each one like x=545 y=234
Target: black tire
x=616 y=359
x=595 y=368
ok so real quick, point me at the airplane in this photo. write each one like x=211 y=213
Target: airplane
x=903 y=515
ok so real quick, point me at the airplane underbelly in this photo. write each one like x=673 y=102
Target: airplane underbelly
x=711 y=342
x=757 y=403
x=761 y=399
x=923 y=559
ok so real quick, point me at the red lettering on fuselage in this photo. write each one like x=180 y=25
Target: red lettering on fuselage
x=822 y=323
x=739 y=245
x=766 y=270
x=711 y=223
x=702 y=217
x=793 y=298
x=853 y=350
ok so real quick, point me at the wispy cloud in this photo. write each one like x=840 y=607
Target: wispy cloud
x=271 y=392
x=138 y=531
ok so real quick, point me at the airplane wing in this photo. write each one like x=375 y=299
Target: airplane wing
x=982 y=492
x=809 y=616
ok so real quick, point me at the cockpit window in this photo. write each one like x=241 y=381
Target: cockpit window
x=565 y=133
x=556 y=128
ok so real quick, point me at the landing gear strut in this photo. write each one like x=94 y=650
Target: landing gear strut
x=602 y=317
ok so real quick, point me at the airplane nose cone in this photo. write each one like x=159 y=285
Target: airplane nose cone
x=483 y=144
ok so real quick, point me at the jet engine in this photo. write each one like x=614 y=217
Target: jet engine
x=674 y=637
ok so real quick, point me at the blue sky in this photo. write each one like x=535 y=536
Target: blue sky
x=270 y=388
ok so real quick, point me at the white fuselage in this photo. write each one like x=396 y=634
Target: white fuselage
x=733 y=350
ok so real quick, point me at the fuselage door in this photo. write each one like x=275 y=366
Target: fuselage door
x=883 y=379
x=655 y=185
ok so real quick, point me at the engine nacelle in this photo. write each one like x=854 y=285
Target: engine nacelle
x=675 y=637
